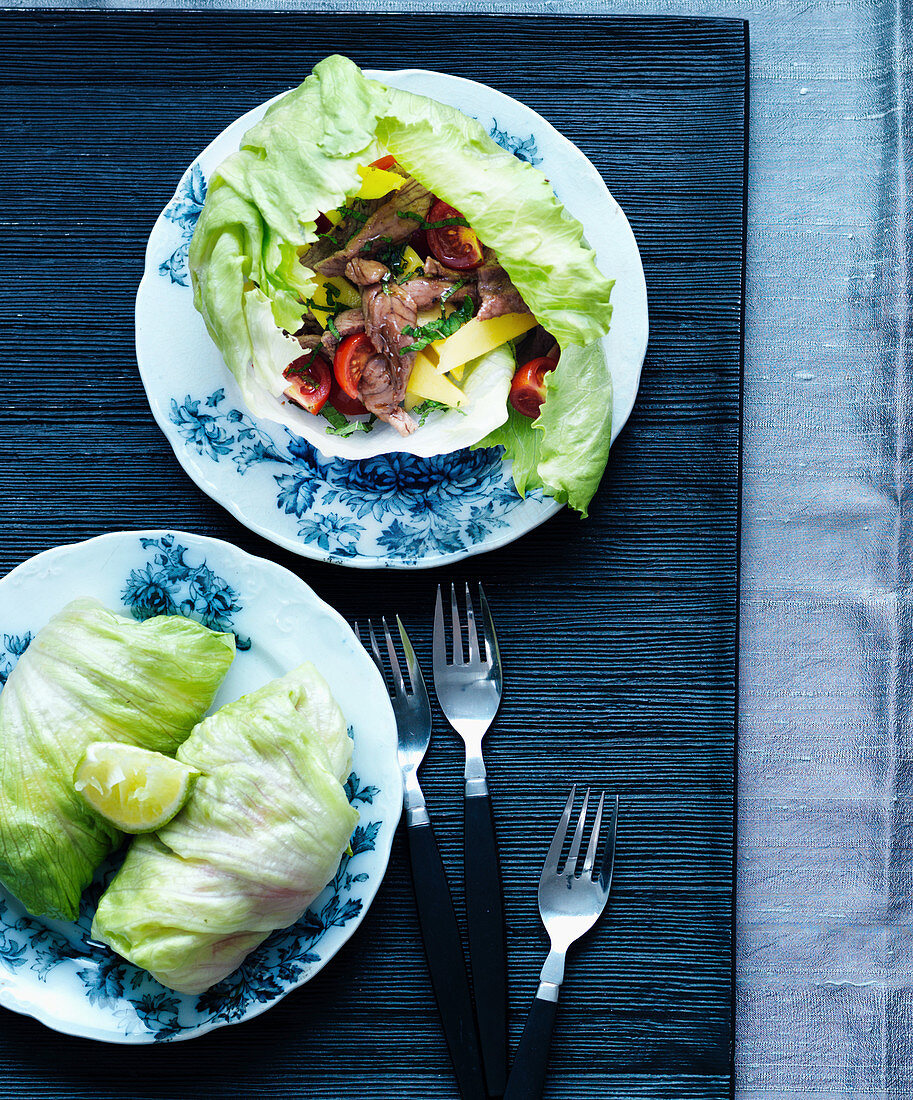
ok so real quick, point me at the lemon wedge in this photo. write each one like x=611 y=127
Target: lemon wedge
x=135 y=789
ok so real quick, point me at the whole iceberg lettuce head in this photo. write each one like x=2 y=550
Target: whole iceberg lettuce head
x=89 y=675
x=261 y=836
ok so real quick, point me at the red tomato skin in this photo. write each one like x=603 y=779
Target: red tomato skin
x=310 y=377
x=342 y=403
x=455 y=246
x=350 y=360
x=527 y=389
x=384 y=163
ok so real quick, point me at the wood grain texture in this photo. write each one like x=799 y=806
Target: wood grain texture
x=618 y=633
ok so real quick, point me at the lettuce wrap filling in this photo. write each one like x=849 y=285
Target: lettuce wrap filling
x=257 y=260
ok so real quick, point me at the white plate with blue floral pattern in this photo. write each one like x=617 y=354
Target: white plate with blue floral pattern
x=394 y=510
x=50 y=969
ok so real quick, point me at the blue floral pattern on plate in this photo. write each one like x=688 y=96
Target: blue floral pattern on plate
x=184 y=210
x=408 y=507
x=165 y=581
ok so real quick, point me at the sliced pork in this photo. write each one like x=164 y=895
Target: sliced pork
x=347 y=323
x=426 y=293
x=497 y=294
x=388 y=310
x=363 y=272
x=384 y=227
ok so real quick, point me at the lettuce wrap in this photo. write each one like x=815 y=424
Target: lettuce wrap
x=302 y=159
x=261 y=836
x=89 y=675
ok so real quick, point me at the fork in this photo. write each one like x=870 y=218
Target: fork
x=437 y=920
x=569 y=905
x=469 y=691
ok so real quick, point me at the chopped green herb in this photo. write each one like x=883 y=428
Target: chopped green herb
x=333 y=330
x=439 y=328
x=422 y=224
x=450 y=291
x=424 y=410
x=341 y=426
x=332 y=308
x=297 y=369
x=393 y=258
x=357 y=211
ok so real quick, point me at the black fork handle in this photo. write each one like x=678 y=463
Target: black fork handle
x=487 y=948
x=446 y=962
x=527 y=1078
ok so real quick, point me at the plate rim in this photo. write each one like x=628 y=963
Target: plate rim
x=384 y=850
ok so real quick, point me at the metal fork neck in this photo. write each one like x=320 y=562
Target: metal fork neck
x=476 y=776
x=552 y=976
x=414 y=801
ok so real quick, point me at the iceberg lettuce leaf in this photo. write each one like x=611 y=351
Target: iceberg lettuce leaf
x=261 y=836
x=563 y=452
x=512 y=207
x=89 y=675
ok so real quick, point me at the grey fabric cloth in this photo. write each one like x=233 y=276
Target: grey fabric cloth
x=824 y=948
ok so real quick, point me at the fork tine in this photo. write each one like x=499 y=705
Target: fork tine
x=594 y=839
x=571 y=866
x=554 y=849
x=375 y=652
x=415 y=669
x=457 y=628
x=394 y=661
x=474 y=655
x=492 y=655
x=438 y=642
x=608 y=860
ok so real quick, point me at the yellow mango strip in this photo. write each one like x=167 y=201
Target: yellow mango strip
x=477 y=338
x=411 y=262
x=376 y=182
x=426 y=384
x=347 y=296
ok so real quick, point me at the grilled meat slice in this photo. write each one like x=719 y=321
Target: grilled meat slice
x=334 y=240
x=363 y=272
x=347 y=323
x=308 y=340
x=426 y=293
x=436 y=270
x=377 y=388
x=383 y=227
x=497 y=293
x=387 y=312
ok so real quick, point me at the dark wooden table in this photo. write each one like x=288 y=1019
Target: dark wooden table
x=618 y=633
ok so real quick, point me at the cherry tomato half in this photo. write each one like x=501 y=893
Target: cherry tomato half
x=350 y=360
x=455 y=246
x=385 y=163
x=527 y=390
x=341 y=401
x=309 y=377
